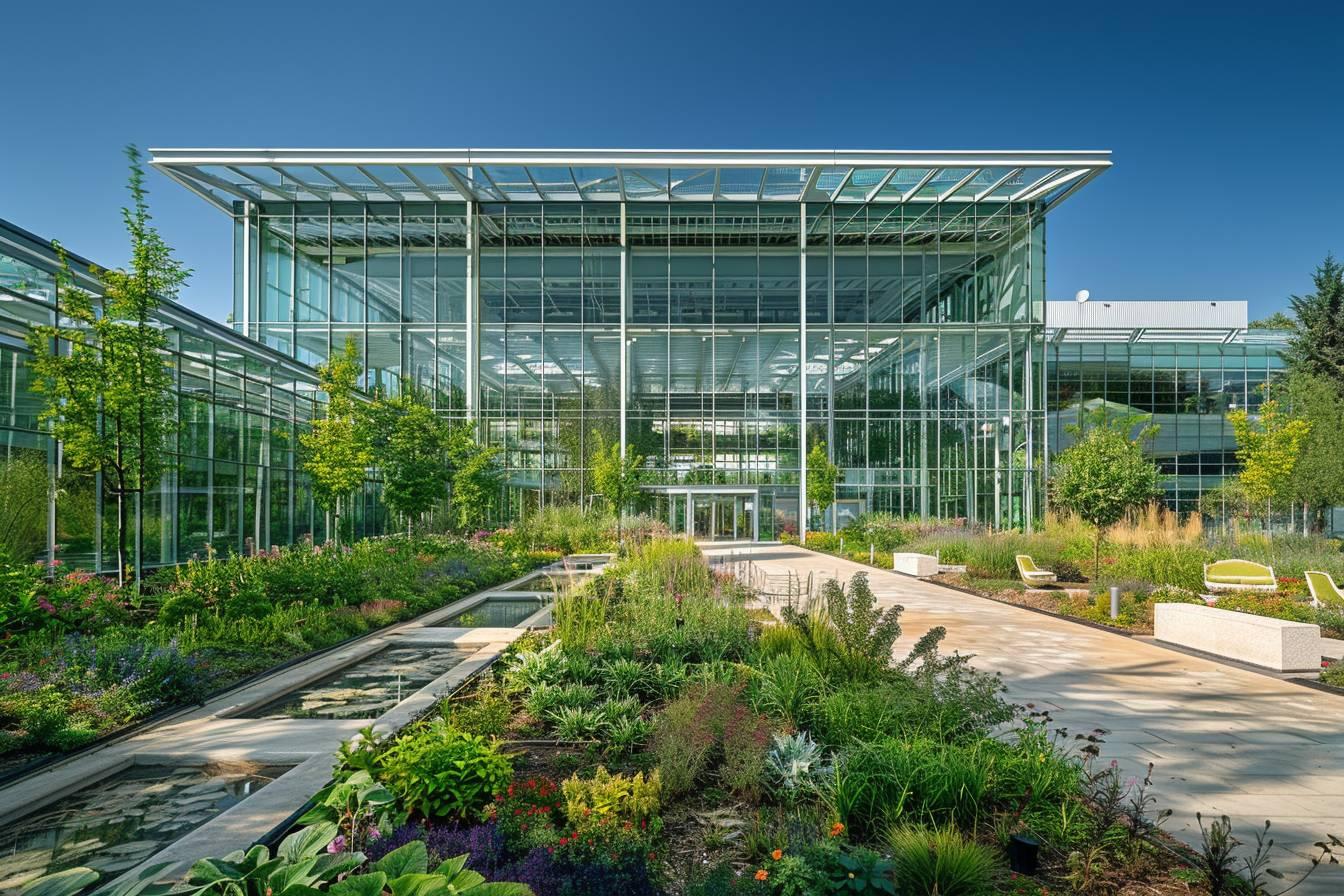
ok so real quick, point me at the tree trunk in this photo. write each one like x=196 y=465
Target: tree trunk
x=336 y=538
x=121 y=536
x=1306 y=520
x=1096 y=556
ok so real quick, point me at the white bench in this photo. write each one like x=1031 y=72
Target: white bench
x=921 y=565
x=1273 y=643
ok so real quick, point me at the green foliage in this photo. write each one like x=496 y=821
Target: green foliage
x=1105 y=474
x=615 y=477
x=1317 y=343
x=105 y=380
x=822 y=477
x=410 y=444
x=866 y=634
x=476 y=477
x=711 y=727
x=440 y=772
x=1267 y=449
x=1318 y=475
x=618 y=798
x=23 y=513
x=336 y=453
x=941 y=862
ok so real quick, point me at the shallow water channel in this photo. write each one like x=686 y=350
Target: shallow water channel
x=120 y=821
x=365 y=689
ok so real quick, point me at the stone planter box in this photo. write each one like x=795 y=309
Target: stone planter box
x=1272 y=643
x=921 y=565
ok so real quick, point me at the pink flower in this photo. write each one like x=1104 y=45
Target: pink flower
x=375 y=834
x=337 y=845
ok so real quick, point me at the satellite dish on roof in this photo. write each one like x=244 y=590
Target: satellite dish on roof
x=1082 y=296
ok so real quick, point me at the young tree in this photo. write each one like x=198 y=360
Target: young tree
x=475 y=475
x=1104 y=474
x=1267 y=447
x=1317 y=345
x=614 y=477
x=1318 y=475
x=822 y=478
x=336 y=449
x=410 y=445
x=106 y=382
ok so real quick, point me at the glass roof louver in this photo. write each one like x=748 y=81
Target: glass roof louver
x=223 y=176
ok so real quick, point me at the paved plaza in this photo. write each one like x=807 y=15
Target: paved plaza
x=1223 y=740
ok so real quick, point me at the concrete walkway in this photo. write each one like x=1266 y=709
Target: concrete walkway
x=1223 y=740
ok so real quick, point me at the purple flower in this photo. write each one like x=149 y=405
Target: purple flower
x=375 y=834
x=337 y=845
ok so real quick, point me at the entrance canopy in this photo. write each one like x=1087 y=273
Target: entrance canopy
x=223 y=176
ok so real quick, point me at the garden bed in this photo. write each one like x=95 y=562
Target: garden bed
x=664 y=737
x=84 y=661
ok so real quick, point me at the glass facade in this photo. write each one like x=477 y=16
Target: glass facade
x=1185 y=386
x=232 y=478
x=720 y=340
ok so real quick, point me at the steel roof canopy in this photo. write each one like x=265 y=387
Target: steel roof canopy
x=222 y=176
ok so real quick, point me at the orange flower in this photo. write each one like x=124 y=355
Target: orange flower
x=777 y=854
x=762 y=874
x=837 y=829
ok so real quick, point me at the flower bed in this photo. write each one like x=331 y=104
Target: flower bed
x=82 y=657
x=661 y=740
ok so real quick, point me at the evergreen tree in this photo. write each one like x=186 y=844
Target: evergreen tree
x=336 y=449
x=1317 y=345
x=106 y=381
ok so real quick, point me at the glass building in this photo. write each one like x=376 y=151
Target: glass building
x=231 y=480
x=719 y=313
x=1182 y=364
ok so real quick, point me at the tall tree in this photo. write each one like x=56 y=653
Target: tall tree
x=822 y=478
x=1268 y=445
x=614 y=477
x=336 y=450
x=106 y=381
x=476 y=476
x=1275 y=321
x=1318 y=474
x=1105 y=473
x=410 y=444
x=1317 y=345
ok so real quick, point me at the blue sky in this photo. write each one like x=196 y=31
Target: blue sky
x=1227 y=129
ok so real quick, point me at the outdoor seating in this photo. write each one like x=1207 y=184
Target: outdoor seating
x=1239 y=575
x=1324 y=591
x=1031 y=573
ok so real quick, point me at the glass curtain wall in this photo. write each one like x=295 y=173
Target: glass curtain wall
x=719 y=339
x=232 y=479
x=1187 y=388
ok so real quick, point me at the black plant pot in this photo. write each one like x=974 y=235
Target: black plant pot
x=1023 y=854
x=680 y=622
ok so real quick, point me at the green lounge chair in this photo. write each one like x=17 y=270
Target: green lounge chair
x=1031 y=573
x=1239 y=575
x=1324 y=591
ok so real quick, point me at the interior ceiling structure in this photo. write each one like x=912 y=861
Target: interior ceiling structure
x=223 y=176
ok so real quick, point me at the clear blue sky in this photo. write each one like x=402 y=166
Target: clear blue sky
x=1228 y=131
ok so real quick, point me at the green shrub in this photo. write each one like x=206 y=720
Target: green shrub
x=941 y=862
x=486 y=712
x=1271 y=605
x=1170 y=564
x=711 y=726
x=787 y=686
x=442 y=773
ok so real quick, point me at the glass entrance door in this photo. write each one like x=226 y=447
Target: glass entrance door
x=720 y=517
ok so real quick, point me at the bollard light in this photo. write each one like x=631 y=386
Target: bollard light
x=1115 y=601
